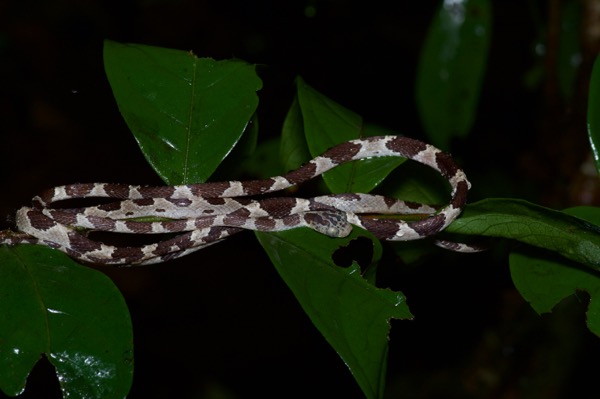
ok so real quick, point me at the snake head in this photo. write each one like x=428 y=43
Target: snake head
x=330 y=223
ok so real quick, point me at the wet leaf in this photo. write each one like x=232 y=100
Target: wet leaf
x=545 y=280
x=352 y=314
x=185 y=112
x=74 y=315
x=451 y=69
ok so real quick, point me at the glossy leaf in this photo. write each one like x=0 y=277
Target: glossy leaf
x=352 y=314
x=593 y=112
x=327 y=123
x=74 y=315
x=185 y=112
x=545 y=280
x=532 y=224
x=451 y=69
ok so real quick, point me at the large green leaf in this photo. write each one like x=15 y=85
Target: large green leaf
x=545 y=280
x=74 y=315
x=352 y=314
x=327 y=123
x=451 y=69
x=186 y=112
x=569 y=236
x=593 y=112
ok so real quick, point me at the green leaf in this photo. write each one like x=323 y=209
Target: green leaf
x=545 y=280
x=451 y=69
x=326 y=123
x=245 y=149
x=72 y=314
x=417 y=183
x=262 y=163
x=532 y=224
x=185 y=112
x=593 y=112
x=293 y=151
x=352 y=314
x=569 y=47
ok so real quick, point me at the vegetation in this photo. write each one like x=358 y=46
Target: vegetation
x=194 y=118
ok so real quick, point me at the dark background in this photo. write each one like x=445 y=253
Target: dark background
x=220 y=323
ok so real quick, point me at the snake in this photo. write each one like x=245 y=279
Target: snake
x=194 y=216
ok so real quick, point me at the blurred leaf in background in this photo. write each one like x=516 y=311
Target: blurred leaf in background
x=451 y=69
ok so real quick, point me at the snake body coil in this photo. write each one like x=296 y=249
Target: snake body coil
x=203 y=214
